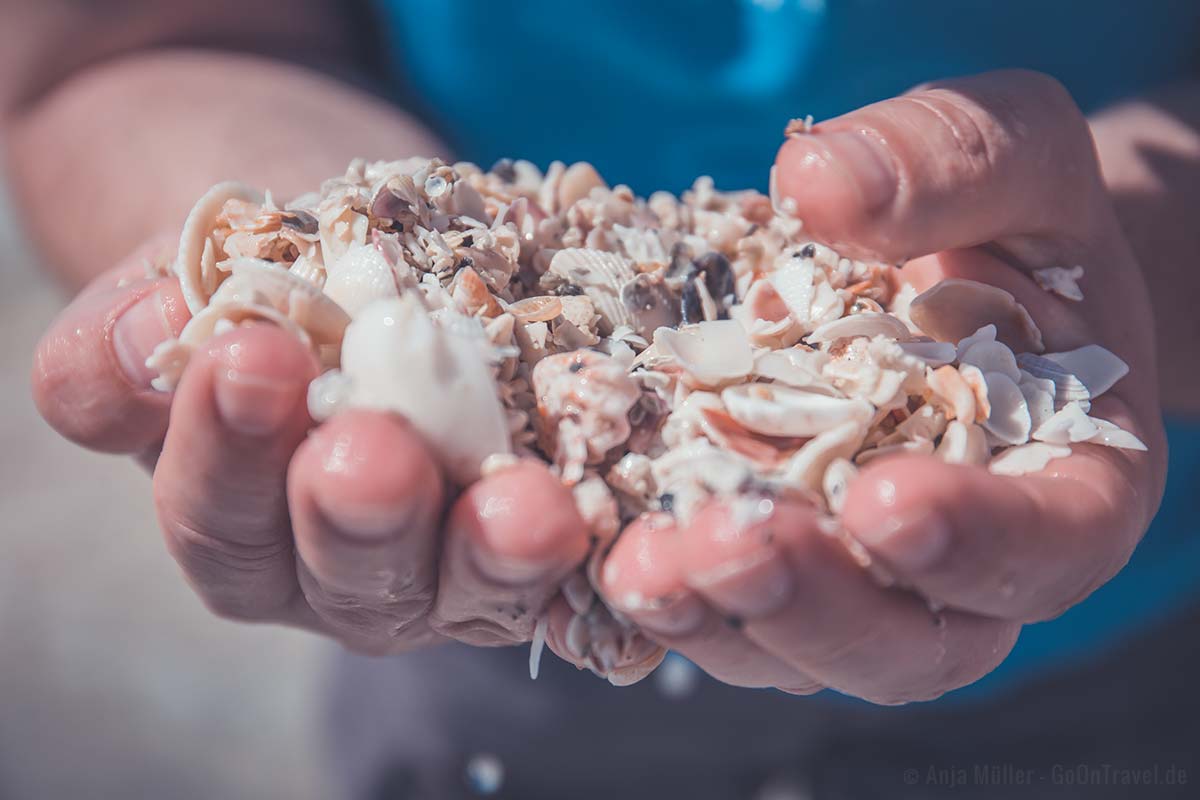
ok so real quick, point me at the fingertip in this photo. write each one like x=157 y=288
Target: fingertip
x=521 y=524
x=368 y=474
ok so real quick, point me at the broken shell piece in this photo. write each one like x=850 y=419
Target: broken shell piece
x=1097 y=368
x=934 y=354
x=784 y=411
x=805 y=469
x=193 y=241
x=963 y=443
x=599 y=275
x=1008 y=417
x=361 y=276
x=955 y=308
x=866 y=324
x=1071 y=425
x=793 y=282
x=836 y=483
x=709 y=353
x=536 y=309
x=1032 y=457
x=1067 y=387
x=992 y=357
x=397 y=359
x=1061 y=281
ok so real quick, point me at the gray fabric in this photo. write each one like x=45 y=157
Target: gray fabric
x=406 y=727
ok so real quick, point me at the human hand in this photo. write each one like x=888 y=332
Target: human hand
x=984 y=178
x=348 y=528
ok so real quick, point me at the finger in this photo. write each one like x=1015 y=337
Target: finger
x=806 y=600
x=220 y=488
x=511 y=539
x=1024 y=548
x=90 y=379
x=366 y=501
x=644 y=578
x=951 y=165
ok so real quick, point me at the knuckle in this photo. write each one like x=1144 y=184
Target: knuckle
x=213 y=560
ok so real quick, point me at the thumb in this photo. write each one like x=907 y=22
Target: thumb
x=950 y=165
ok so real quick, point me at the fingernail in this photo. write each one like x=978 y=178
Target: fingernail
x=676 y=615
x=363 y=524
x=911 y=543
x=868 y=163
x=252 y=404
x=141 y=328
x=752 y=585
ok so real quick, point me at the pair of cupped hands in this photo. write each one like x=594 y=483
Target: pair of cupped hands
x=350 y=529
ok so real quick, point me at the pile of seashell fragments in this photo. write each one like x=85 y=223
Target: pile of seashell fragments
x=655 y=352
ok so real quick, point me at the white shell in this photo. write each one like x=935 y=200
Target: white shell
x=806 y=468
x=934 y=354
x=992 y=357
x=1009 y=417
x=1067 y=387
x=865 y=324
x=361 y=276
x=793 y=282
x=963 y=443
x=1070 y=424
x=601 y=275
x=782 y=411
x=194 y=239
x=397 y=359
x=1032 y=457
x=1097 y=368
x=711 y=353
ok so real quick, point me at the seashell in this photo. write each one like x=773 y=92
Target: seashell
x=1032 y=457
x=1096 y=368
x=361 y=276
x=254 y=282
x=866 y=324
x=776 y=410
x=709 y=353
x=536 y=309
x=1060 y=281
x=473 y=295
x=807 y=467
x=194 y=241
x=992 y=357
x=1008 y=418
x=600 y=275
x=835 y=483
x=975 y=379
x=794 y=367
x=934 y=354
x=911 y=447
x=1111 y=435
x=985 y=334
x=760 y=449
x=954 y=308
x=793 y=282
x=650 y=304
x=948 y=386
x=1067 y=387
x=963 y=443
x=1070 y=424
x=577 y=182
x=1039 y=397
x=397 y=359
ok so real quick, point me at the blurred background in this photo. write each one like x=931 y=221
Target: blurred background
x=114 y=680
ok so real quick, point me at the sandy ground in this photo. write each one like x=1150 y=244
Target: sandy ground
x=114 y=681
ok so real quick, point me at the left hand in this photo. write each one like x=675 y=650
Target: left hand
x=983 y=178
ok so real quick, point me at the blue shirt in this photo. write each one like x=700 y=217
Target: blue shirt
x=656 y=93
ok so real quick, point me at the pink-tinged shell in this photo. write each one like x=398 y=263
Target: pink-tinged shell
x=398 y=359
x=865 y=324
x=577 y=182
x=955 y=308
x=776 y=410
x=963 y=443
x=1032 y=457
x=709 y=353
x=953 y=392
x=975 y=379
x=1008 y=419
x=536 y=309
x=195 y=285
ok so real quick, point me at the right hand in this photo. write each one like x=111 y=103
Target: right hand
x=347 y=528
